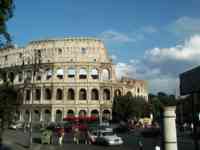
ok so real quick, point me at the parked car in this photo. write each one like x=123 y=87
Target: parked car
x=15 y=126
x=92 y=135
x=107 y=137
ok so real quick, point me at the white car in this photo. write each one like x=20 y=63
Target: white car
x=107 y=137
x=16 y=126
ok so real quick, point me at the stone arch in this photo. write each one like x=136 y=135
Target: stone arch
x=47 y=115
x=70 y=112
x=82 y=73
x=106 y=114
x=105 y=74
x=95 y=94
x=129 y=93
x=118 y=92
x=82 y=112
x=60 y=73
x=26 y=116
x=106 y=94
x=82 y=94
x=95 y=113
x=11 y=76
x=37 y=94
x=59 y=94
x=71 y=72
x=36 y=116
x=71 y=94
x=48 y=94
x=58 y=115
x=95 y=73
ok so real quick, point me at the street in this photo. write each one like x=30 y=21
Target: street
x=18 y=140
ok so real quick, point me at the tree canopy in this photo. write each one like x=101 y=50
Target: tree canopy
x=6 y=12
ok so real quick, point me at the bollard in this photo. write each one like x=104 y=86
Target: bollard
x=170 y=138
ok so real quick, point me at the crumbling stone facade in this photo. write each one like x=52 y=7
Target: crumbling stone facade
x=69 y=76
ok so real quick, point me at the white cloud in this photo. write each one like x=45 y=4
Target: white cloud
x=185 y=26
x=115 y=36
x=162 y=66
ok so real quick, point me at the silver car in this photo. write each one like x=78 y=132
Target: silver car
x=107 y=137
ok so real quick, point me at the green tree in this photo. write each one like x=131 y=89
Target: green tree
x=127 y=106
x=8 y=102
x=6 y=12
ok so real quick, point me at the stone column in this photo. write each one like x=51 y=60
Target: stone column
x=170 y=137
x=52 y=115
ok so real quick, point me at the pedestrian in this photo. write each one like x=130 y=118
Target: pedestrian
x=157 y=147
x=140 y=145
x=61 y=136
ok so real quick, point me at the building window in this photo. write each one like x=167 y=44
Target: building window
x=36 y=116
x=48 y=94
x=20 y=55
x=58 y=115
x=106 y=94
x=28 y=75
x=70 y=113
x=11 y=77
x=49 y=74
x=118 y=92
x=82 y=113
x=6 y=58
x=105 y=74
x=94 y=74
x=59 y=51
x=37 y=94
x=59 y=94
x=138 y=90
x=71 y=73
x=60 y=73
x=82 y=73
x=71 y=94
x=28 y=95
x=82 y=94
x=94 y=94
x=38 y=76
x=83 y=50
x=20 y=76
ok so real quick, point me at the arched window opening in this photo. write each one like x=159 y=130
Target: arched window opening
x=94 y=74
x=82 y=73
x=106 y=94
x=71 y=94
x=58 y=115
x=37 y=94
x=36 y=116
x=60 y=73
x=28 y=94
x=138 y=90
x=94 y=94
x=59 y=51
x=70 y=113
x=28 y=75
x=129 y=93
x=39 y=76
x=11 y=77
x=49 y=73
x=71 y=73
x=95 y=113
x=118 y=92
x=20 y=76
x=82 y=113
x=48 y=94
x=47 y=115
x=82 y=94
x=105 y=74
x=59 y=94
x=26 y=116
x=106 y=115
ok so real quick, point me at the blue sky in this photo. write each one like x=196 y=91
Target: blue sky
x=136 y=32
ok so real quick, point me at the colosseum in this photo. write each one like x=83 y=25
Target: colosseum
x=62 y=77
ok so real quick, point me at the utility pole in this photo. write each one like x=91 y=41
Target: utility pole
x=36 y=62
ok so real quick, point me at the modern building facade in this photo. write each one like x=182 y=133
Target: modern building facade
x=62 y=77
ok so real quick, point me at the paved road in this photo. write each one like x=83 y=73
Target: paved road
x=18 y=140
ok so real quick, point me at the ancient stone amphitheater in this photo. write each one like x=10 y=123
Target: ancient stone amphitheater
x=62 y=77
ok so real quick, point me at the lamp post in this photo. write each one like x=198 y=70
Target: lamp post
x=36 y=58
